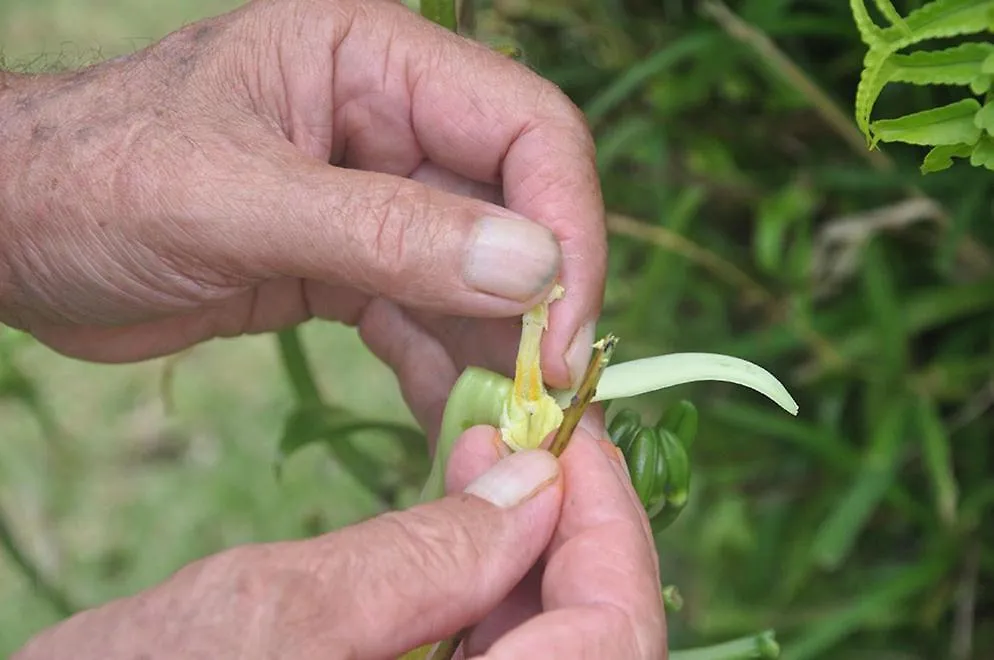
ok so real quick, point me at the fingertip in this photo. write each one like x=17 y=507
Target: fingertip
x=475 y=451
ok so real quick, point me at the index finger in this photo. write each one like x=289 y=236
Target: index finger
x=600 y=590
x=491 y=119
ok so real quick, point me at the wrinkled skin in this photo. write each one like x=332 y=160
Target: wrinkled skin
x=569 y=574
x=301 y=159
x=184 y=193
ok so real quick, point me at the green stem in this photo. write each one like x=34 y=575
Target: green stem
x=298 y=369
x=759 y=646
x=442 y=12
x=477 y=398
x=59 y=601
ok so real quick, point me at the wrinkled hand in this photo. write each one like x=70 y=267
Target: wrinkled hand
x=341 y=159
x=382 y=587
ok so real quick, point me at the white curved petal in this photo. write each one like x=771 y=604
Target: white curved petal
x=636 y=377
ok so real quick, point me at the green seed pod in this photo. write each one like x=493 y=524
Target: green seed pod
x=680 y=420
x=648 y=474
x=655 y=507
x=623 y=429
x=677 y=469
x=664 y=519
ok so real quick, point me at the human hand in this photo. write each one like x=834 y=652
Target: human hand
x=382 y=587
x=298 y=159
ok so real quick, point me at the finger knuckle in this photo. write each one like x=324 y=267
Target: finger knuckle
x=435 y=544
x=400 y=221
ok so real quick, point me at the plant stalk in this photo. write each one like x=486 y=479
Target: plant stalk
x=55 y=596
x=297 y=367
x=754 y=647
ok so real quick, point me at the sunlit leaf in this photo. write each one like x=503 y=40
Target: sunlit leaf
x=869 y=32
x=940 y=19
x=945 y=125
x=891 y=14
x=959 y=65
x=937 y=457
x=983 y=153
x=636 y=377
x=984 y=119
x=836 y=537
x=941 y=157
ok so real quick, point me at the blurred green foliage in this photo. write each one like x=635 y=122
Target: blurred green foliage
x=748 y=217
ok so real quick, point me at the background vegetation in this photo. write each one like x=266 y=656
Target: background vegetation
x=747 y=217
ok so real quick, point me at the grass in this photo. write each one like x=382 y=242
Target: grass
x=745 y=219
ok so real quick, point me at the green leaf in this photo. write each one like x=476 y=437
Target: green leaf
x=777 y=214
x=984 y=119
x=891 y=14
x=872 y=80
x=983 y=153
x=941 y=157
x=959 y=65
x=981 y=84
x=988 y=65
x=333 y=429
x=838 y=534
x=881 y=305
x=865 y=605
x=948 y=124
x=633 y=79
x=940 y=19
x=937 y=454
x=869 y=32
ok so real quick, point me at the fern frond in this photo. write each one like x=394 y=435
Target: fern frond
x=941 y=157
x=983 y=153
x=959 y=65
x=984 y=119
x=941 y=19
x=869 y=32
x=876 y=73
x=945 y=125
x=888 y=11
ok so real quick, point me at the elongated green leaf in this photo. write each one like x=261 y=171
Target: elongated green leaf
x=333 y=429
x=888 y=11
x=777 y=213
x=629 y=82
x=636 y=377
x=869 y=32
x=838 y=534
x=983 y=153
x=937 y=453
x=959 y=65
x=939 y=19
x=948 y=124
x=813 y=439
x=867 y=603
x=872 y=80
x=941 y=157
x=881 y=305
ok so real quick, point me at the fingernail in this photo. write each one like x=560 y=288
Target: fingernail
x=511 y=258
x=578 y=353
x=516 y=478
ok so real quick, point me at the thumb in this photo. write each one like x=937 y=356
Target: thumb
x=424 y=574
x=394 y=237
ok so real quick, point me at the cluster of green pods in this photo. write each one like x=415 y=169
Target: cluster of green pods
x=658 y=458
